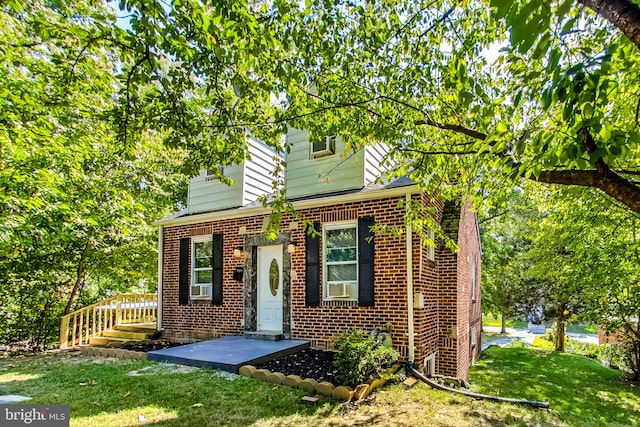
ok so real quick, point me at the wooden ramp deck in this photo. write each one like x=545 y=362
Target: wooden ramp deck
x=228 y=353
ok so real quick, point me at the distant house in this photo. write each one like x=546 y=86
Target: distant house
x=605 y=337
x=221 y=276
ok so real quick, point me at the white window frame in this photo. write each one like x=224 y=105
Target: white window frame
x=352 y=284
x=212 y=177
x=474 y=335
x=431 y=250
x=330 y=140
x=193 y=283
x=473 y=279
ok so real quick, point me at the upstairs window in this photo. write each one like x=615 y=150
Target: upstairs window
x=473 y=280
x=210 y=174
x=340 y=244
x=323 y=147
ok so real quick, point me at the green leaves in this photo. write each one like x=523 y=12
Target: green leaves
x=77 y=207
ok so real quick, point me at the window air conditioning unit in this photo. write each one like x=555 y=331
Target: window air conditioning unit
x=198 y=291
x=337 y=290
x=324 y=147
x=210 y=175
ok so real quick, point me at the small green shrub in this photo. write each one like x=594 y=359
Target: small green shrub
x=618 y=356
x=518 y=344
x=542 y=343
x=594 y=351
x=360 y=357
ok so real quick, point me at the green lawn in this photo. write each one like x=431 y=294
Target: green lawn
x=490 y=320
x=103 y=392
x=583 y=329
x=581 y=391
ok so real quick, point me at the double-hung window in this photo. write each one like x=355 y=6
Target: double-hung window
x=431 y=250
x=202 y=268
x=340 y=245
x=473 y=280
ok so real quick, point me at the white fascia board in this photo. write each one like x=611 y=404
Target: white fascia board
x=299 y=205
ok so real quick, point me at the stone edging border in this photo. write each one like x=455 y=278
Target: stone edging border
x=323 y=388
x=119 y=353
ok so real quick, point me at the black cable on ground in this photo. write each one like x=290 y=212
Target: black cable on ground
x=532 y=403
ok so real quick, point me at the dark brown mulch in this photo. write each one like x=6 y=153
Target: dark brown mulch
x=146 y=346
x=308 y=363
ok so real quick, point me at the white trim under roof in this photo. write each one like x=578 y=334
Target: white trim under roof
x=243 y=212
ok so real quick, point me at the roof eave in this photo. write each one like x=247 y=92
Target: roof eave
x=298 y=205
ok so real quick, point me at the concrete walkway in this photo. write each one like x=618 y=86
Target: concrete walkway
x=526 y=336
x=228 y=353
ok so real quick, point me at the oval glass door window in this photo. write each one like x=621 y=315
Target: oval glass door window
x=274 y=277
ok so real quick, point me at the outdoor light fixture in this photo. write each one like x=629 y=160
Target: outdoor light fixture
x=239 y=253
x=291 y=247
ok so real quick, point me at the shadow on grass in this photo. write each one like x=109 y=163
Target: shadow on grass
x=581 y=390
x=101 y=392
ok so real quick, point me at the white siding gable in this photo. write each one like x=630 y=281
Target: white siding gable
x=251 y=180
x=306 y=176
x=344 y=170
x=373 y=157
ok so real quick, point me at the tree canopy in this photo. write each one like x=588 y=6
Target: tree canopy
x=558 y=102
x=464 y=92
x=76 y=207
x=471 y=97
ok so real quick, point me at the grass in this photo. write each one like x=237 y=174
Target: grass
x=581 y=391
x=490 y=320
x=582 y=329
x=102 y=392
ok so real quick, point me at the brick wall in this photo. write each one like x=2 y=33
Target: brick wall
x=436 y=281
x=458 y=312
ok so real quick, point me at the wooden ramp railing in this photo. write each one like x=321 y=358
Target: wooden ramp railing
x=78 y=327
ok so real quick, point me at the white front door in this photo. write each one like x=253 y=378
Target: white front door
x=270 y=288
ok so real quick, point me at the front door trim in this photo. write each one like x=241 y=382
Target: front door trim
x=251 y=245
x=270 y=288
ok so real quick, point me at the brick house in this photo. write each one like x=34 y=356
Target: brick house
x=219 y=275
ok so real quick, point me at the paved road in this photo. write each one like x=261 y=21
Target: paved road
x=526 y=336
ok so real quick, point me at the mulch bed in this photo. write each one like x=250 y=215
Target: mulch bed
x=308 y=363
x=147 y=346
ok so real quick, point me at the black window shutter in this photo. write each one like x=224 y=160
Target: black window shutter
x=184 y=267
x=216 y=262
x=365 y=262
x=312 y=269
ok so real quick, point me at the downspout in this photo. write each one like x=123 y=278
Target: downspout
x=412 y=345
x=159 y=298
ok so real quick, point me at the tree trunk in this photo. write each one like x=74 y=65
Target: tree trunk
x=503 y=322
x=635 y=362
x=80 y=276
x=559 y=339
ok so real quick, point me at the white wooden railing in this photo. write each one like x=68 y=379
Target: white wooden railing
x=78 y=327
